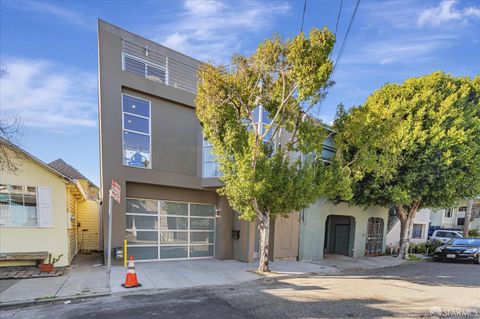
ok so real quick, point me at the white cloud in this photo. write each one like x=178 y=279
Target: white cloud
x=446 y=12
x=48 y=8
x=212 y=29
x=48 y=95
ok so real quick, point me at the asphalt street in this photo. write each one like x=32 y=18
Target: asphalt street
x=422 y=289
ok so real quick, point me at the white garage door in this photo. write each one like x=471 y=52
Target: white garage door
x=158 y=230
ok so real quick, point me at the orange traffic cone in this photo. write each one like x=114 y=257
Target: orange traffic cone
x=131 y=280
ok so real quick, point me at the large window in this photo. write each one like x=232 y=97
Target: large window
x=136 y=132
x=18 y=206
x=210 y=167
x=169 y=230
x=417 y=231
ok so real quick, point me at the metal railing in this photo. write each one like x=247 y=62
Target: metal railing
x=156 y=66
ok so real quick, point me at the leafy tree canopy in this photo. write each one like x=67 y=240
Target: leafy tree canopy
x=411 y=145
x=261 y=176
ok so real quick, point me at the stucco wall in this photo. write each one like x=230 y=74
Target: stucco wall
x=422 y=217
x=312 y=227
x=33 y=239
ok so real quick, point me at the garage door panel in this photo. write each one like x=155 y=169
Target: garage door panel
x=173 y=223
x=202 y=223
x=141 y=222
x=167 y=252
x=201 y=250
x=202 y=237
x=142 y=237
x=202 y=210
x=143 y=253
x=173 y=237
x=174 y=208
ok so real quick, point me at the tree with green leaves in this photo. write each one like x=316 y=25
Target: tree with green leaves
x=410 y=146
x=256 y=113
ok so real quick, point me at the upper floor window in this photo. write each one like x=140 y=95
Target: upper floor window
x=18 y=206
x=210 y=167
x=448 y=212
x=136 y=132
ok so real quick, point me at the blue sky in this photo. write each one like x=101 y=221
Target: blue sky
x=49 y=49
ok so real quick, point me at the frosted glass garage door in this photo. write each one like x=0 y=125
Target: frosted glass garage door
x=158 y=230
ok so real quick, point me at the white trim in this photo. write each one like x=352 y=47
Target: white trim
x=150 y=164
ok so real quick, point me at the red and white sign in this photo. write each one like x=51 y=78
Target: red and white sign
x=115 y=191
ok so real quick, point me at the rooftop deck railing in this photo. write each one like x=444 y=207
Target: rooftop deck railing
x=159 y=67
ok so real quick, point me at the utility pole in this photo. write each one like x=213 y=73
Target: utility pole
x=468 y=214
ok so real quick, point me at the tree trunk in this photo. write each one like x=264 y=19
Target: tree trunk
x=468 y=214
x=406 y=217
x=264 y=227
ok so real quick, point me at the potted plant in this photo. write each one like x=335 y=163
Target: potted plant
x=48 y=267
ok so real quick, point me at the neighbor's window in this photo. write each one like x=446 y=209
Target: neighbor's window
x=18 y=206
x=462 y=212
x=210 y=167
x=448 y=212
x=136 y=132
x=417 y=231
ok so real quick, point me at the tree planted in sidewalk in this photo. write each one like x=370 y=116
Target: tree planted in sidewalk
x=410 y=145
x=256 y=114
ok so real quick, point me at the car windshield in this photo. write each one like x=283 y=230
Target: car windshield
x=465 y=242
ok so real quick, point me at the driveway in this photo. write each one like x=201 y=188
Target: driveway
x=410 y=290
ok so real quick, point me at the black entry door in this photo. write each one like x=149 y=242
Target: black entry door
x=342 y=238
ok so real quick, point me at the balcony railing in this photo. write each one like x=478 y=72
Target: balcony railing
x=156 y=66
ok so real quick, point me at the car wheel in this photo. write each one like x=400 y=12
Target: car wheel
x=477 y=261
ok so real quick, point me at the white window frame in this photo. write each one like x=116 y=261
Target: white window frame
x=136 y=132
x=449 y=213
x=188 y=230
x=36 y=208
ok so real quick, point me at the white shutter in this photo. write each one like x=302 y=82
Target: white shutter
x=44 y=205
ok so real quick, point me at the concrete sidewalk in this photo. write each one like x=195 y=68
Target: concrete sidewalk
x=83 y=278
x=211 y=272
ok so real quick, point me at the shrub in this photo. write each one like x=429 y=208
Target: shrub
x=474 y=233
x=431 y=245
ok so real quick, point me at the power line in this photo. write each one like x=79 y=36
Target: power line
x=338 y=17
x=303 y=14
x=346 y=35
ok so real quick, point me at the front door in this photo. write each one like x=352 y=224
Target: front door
x=342 y=238
x=374 y=243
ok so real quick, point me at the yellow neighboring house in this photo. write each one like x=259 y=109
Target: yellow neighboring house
x=45 y=208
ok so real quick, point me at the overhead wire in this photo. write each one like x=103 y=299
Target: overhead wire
x=303 y=14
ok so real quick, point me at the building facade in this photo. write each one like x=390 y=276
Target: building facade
x=40 y=212
x=151 y=144
x=454 y=217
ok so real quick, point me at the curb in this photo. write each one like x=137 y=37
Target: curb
x=37 y=302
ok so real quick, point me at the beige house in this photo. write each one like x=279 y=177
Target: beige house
x=44 y=211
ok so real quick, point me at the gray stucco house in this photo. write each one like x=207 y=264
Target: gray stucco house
x=151 y=143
